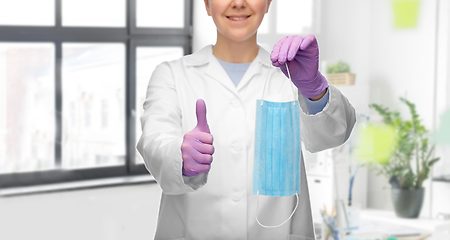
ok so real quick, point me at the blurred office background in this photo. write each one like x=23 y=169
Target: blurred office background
x=73 y=76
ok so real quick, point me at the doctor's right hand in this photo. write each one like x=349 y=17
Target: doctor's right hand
x=302 y=57
x=197 y=148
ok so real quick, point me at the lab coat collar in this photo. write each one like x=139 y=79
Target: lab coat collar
x=216 y=71
x=204 y=56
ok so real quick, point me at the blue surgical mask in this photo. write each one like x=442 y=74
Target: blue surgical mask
x=277 y=150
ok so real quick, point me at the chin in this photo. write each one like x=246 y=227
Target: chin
x=240 y=37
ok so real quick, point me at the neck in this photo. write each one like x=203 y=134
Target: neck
x=236 y=52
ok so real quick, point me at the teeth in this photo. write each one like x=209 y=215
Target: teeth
x=238 y=18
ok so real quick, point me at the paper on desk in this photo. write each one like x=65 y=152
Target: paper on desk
x=402 y=232
x=382 y=230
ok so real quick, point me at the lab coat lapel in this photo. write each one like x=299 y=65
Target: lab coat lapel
x=253 y=70
x=216 y=71
x=257 y=67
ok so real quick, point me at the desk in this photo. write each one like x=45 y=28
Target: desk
x=425 y=224
x=377 y=224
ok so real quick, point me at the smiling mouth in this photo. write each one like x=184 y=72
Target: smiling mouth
x=238 y=18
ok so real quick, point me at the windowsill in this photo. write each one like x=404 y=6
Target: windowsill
x=445 y=178
x=107 y=182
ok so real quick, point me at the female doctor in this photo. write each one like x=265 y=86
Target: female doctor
x=206 y=181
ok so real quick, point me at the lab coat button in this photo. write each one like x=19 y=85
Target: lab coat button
x=237 y=147
x=235 y=103
x=236 y=197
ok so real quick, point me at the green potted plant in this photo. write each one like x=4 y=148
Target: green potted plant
x=408 y=163
x=339 y=74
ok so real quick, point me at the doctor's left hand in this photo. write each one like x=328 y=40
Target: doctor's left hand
x=197 y=148
x=302 y=57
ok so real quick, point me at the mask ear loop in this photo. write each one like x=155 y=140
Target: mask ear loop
x=257 y=192
x=279 y=225
x=267 y=78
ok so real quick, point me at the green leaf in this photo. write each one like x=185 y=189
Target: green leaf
x=389 y=118
x=432 y=161
x=339 y=67
x=424 y=147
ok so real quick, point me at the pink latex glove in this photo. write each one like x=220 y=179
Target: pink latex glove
x=302 y=56
x=197 y=148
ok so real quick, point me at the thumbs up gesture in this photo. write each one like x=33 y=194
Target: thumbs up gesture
x=197 y=148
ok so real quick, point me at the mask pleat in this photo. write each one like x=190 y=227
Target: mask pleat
x=276 y=154
x=297 y=145
x=284 y=163
x=259 y=155
x=268 y=148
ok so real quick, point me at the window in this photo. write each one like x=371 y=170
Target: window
x=15 y=13
x=85 y=13
x=148 y=16
x=282 y=14
x=93 y=75
x=27 y=112
x=73 y=78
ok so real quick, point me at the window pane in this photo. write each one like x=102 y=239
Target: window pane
x=147 y=58
x=27 y=103
x=160 y=14
x=94 y=13
x=93 y=80
x=299 y=12
x=27 y=12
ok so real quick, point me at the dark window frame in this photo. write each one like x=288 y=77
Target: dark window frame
x=132 y=37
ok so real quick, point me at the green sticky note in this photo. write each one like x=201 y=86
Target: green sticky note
x=376 y=144
x=406 y=13
x=442 y=134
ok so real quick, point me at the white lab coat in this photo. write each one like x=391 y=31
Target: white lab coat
x=220 y=204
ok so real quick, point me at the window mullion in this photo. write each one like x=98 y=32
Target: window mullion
x=58 y=103
x=131 y=106
x=58 y=13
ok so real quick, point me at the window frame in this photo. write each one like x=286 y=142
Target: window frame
x=132 y=37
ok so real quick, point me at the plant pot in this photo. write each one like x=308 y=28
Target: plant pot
x=341 y=79
x=406 y=13
x=407 y=203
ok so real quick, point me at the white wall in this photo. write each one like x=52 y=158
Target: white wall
x=402 y=60
x=394 y=62
x=109 y=213
x=345 y=35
